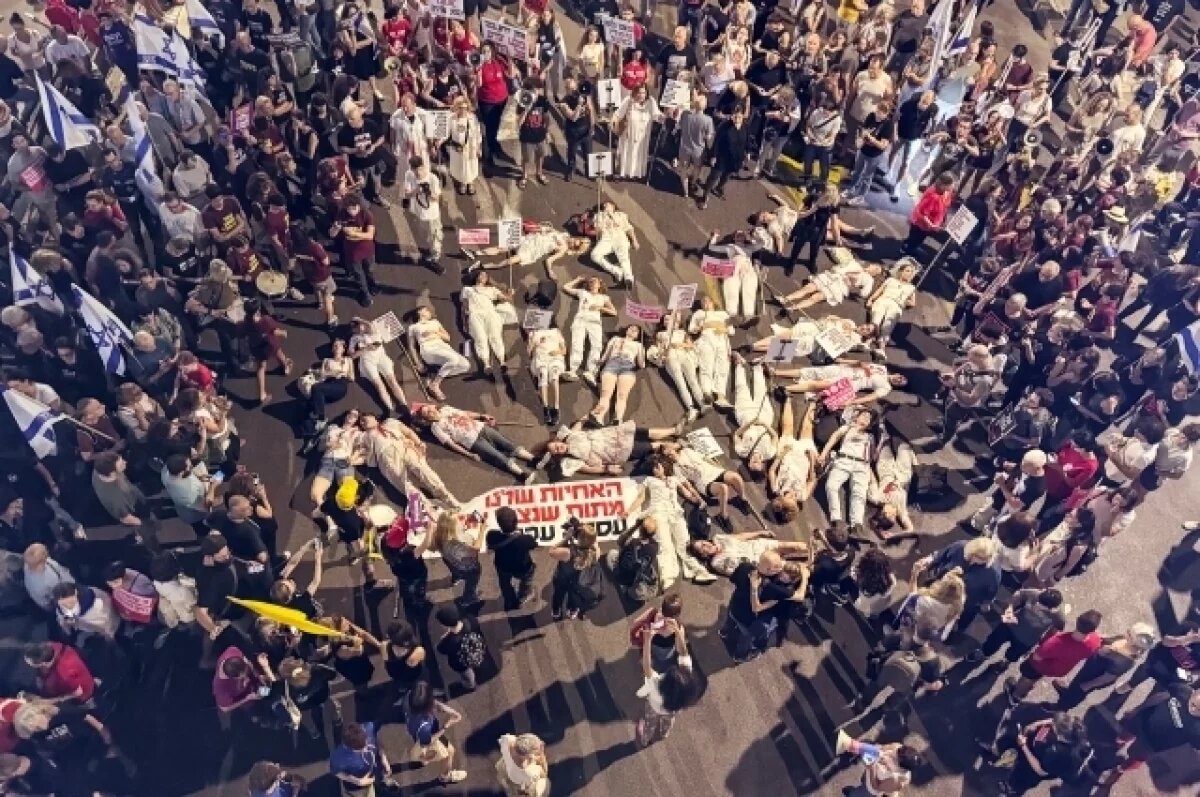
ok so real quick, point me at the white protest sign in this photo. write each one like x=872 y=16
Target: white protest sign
x=609 y=94
x=599 y=164
x=510 y=40
x=961 y=224
x=619 y=32
x=676 y=94
x=508 y=233
x=387 y=326
x=450 y=9
x=781 y=350
x=682 y=297
x=437 y=125
x=834 y=341
x=537 y=319
x=703 y=441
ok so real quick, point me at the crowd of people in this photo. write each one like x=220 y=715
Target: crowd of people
x=179 y=167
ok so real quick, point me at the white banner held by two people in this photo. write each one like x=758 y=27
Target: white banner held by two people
x=449 y=9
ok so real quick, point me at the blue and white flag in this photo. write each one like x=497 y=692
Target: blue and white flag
x=28 y=286
x=35 y=420
x=189 y=73
x=204 y=21
x=958 y=44
x=154 y=51
x=143 y=152
x=939 y=27
x=1189 y=347
x=107 y=331
x=67 y=126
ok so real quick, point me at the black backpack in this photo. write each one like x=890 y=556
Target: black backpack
x=544 y=296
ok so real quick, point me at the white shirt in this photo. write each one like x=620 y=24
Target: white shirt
x=662 y=495
x=546 y=343
x=186 y=223
x=457 y=426
x=73 y=48
x=432 y=211
x=480 y=299
x=589 y=306
x=363 y=342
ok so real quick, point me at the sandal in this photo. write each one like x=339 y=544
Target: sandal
x=286 y=367
x=541 y=178
x=522 y=183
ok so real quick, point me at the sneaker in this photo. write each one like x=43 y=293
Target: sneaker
x=856 y=201
x=1190 y=525
x=295 y=294
x=692 y=415
x=703 y=578
x=454 y=776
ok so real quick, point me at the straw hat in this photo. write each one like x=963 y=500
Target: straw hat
x=219 y=271
x=1116 y=215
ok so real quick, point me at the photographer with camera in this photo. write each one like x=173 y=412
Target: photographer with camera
x=422 y=197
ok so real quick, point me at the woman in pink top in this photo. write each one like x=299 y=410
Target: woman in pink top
x=237 y=682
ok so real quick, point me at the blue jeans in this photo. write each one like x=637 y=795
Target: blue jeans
x=754 y=636
x=864 y=172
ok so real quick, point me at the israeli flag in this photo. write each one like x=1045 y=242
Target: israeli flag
x=958 y=44
x=189 y=73
x=35 y=420
x=29 y=286
x=1189 y=347
x=202 y=20
x=154 y=51
x=67 y=126
x=107 y=331
x=939 y=27
x=143 y=153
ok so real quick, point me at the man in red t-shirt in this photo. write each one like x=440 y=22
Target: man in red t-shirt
x=929 y=214
x=1056 y=655
x=61 y=673
x=356 y=227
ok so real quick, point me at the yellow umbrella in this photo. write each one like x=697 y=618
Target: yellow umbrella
x=285 y=616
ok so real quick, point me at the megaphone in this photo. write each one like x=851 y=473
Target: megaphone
x=1033 y=138
x=524 y=99
x=475 y=59
x=586 y=88
x=869 y=753
x=1104 y=147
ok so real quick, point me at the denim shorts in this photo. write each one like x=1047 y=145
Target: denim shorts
x=619 y=368
x=335 y=470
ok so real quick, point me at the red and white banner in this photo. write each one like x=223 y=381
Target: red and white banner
x=717 y=268
x=643 y=313
x=474 y=236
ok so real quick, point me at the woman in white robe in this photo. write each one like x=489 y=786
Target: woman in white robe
x=465 y=146
x=635 y=124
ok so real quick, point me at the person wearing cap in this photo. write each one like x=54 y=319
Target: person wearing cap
x=1116 y=658
x=268 y=779
x=346 y=510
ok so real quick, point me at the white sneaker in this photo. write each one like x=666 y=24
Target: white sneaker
x=1190 y=525
x=703 y=578
x=454 y=776
x=692 y=415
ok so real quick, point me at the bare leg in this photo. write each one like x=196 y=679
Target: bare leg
x=720 y=491
x=787 y=421
x=260 y=376
x=394 y=386
x=736 y=483
x=608 y=386
x=625 y=384
x=553 y=388
x=385 y=398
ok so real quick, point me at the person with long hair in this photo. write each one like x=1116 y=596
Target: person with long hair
x=577 y=581
x=929 y=613
x=461 y=555
x=623 y=357
x=428 y=719
x=586 y=326
x=430 y=341
x=793 y=473
x=604 y=451
x=487 y=308
x=634 y=122
x=658 y=500
x=666 y=694
x=1060 y=552
x=475 y=436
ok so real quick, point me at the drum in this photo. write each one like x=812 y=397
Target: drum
x=381 y=515
x=272 y=284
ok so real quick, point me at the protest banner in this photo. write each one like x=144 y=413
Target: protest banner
x=437 y=127
x=449 y=9
x=508 y=233
x=682 y=297
x=781 y=350
x=619 y=32
x=537 y=319
x=510 y=40
x=474 y=236
x=717 y=268
x=387 y=326
x=643 y=313
x=838 y=395
x=703 y=441
x=834 y=341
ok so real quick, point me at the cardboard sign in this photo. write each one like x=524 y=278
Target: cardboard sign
x=609 y=94
x=703 y=441
x=619 y=32
x=537 y=319
x=511 y=41
x=834 y=341
x=34 y=178
x=600 y=164
x=961 y=224
x=474 y=236
x=645 y=313
x=508 y=233
x=450 y=9
x=716 y=267
x=437 y=125
x=838 y=395
x=682 y=297
x=387 y=326
x=781 y=350
x=676 y=94
x=239 y=118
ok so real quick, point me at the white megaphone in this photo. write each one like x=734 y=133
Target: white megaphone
x=869 y=753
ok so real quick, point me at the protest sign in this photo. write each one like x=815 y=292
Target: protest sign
x=702 y=440
x=239 y=118
x=609 y=94
x=961 y=224
x=449 y=9
x=599 y=164
x=644 y=313
x=682 y=297
x=510 y=40
x=838 y=395
x=537 y=319
x=474 y=236
x=437 y=125
x=676 y=94
x=387 y=326
x=619 y=32
x=508 y=233
x=834 y=341
x=717 y=267
x=781 y=350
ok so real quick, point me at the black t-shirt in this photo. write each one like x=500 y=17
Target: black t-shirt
x=10 y=71
x=258 y=24
x=768 y=590
x=766 y=78
x=1169 y=724
x=350 y=524
x=913 y=121
x=354 y=137
x=512 y=551
x=673 y=61
x=244 y=536
x=252 y=62
x=1060 y=54
x=68 y=730
x=460 y=648
x=215 y=583
x=71 y=167
x=1159 y=13
x=881 y=128
x=535 y=124
x=547 y=42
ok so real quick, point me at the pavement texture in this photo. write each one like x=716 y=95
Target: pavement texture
x=766 y=727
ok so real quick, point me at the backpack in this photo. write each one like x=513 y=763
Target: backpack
x=470 y=651
x=544 y=296
x=637 y=572
x=589 y=586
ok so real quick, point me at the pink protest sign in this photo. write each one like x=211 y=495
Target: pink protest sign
x=474 y=236
x=838 y=395
x=647 y=313
x=715 y=267
x=239 y=119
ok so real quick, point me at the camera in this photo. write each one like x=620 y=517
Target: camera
x=571 y=529
x=475 y=59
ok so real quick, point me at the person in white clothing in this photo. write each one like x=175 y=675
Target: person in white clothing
x=773 y=228
x=367 y=349
x=806 y=331
x=889 y=301
x=793 y=473
x=547 y=351
x=65 y=46
x=658 y=502
x=545 y=243
x=889 y=490
x=614 y=238
x=586 y=329
x=835 y=285
x=474 y=435
x=709 y=479
x=522 y=768
x=740 y=289
x=423 y=191
x=623 y=357
x=870 y=382
x=487 y=309
x=754 y=440
x=399 y=453
x=674 y=350
x=851 y=462
x=634 y=123
x=410 y=136
x=711 y=327
x=465 y=145
x=430 y=340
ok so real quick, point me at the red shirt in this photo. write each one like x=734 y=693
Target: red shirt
x=245 y=263
x=1072 y=468
x=633 y=74
x=57 y=12
x=930 y=211
x=200 y=376
x=356 y=251
x=1144 y=39
x=396 y=33
x=66 y=674
x=493 y=82
x=314 y=262
x=1057 y=655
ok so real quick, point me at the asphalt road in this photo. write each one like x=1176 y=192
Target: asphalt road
x=763 y=727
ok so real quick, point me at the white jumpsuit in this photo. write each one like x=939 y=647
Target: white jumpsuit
x=484 y=321
x=662 y=504
x=842 y=281
x=712 y=351
x=752 y=405
x=894 y=476
x=887 y=309
x=426 y=337
x=613 y=239
x=586 y=328
x=374 y=363
x=851 y=463
x=545 y=363
x=683 y=366
x=794 y=465
x=741 y=290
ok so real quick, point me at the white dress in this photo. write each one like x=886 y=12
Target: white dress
x=409 y=138
x=633 y=150
x=466 y=147
x=794 y=464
